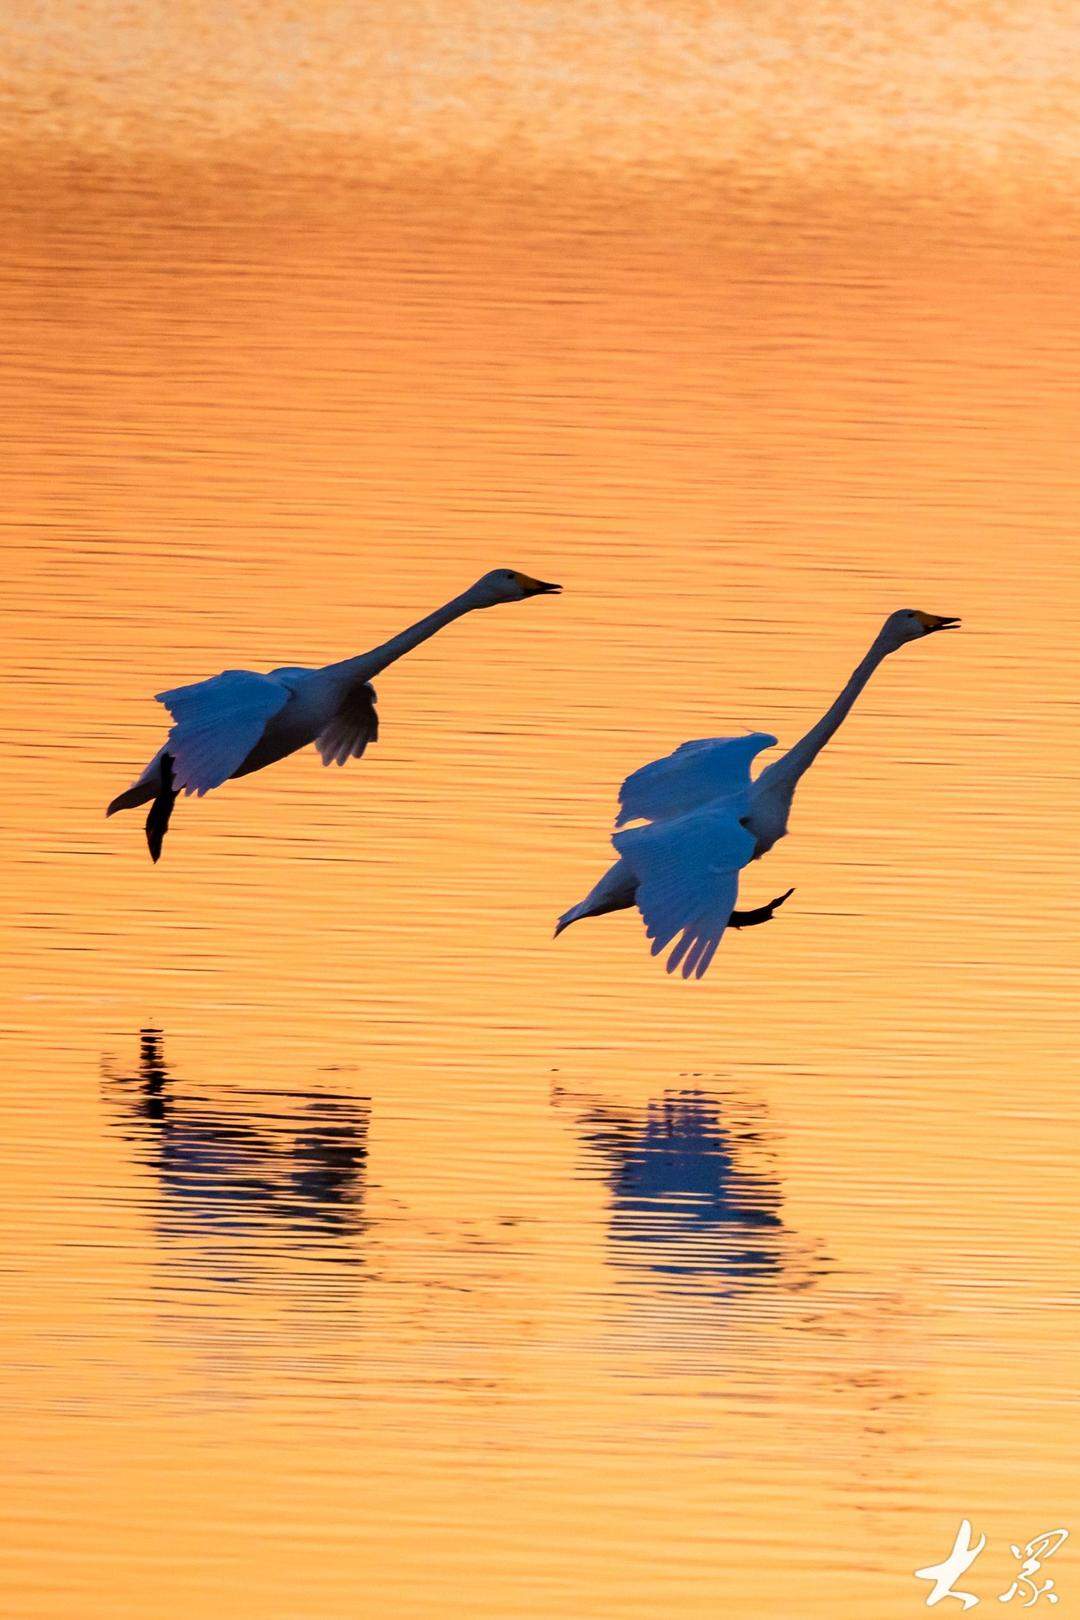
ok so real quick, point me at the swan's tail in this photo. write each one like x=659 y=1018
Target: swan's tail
x=142 y=791
x=584 y=908
x=614 y=892
x=567 y=918
x=132 y=797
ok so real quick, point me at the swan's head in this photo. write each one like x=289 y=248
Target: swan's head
x=908 y=624
x=507 y=585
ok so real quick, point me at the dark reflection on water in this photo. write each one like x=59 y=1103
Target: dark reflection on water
x=685 y=1204
x=250 y=1183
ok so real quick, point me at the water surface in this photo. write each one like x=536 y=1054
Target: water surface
x=367 y=1251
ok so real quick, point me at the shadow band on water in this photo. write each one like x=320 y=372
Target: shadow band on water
x=686 y=1207
x=250 y=1184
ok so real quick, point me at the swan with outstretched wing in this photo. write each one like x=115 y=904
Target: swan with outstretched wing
x=706 y=819
x=241 y=721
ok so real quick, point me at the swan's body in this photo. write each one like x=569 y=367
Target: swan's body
x=240 y=721
x=707 y=819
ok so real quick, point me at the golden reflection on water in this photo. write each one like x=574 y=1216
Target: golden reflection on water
x=370 y=1252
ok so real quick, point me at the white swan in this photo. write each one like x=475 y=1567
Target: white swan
x=707 y=819
x=240 y=721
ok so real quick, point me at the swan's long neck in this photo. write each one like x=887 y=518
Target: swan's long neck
x=797 y=760
x=366 y=665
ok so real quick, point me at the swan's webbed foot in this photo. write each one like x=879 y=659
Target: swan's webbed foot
x=157 y=821
x=760 y=914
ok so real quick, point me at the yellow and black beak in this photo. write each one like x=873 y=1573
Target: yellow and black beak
x=935 y=621
x=538 y=587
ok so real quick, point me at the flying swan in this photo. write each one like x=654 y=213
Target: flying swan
x=707 y=820
x=239 y=721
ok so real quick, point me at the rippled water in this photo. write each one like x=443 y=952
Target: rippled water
x=368 y=1252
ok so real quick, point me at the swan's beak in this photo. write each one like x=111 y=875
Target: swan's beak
x=935 y=621
x=539 y=587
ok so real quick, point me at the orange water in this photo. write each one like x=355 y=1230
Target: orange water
x=368 y=1253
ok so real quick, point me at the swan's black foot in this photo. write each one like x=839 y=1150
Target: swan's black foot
x=760 y=914
x=157 y=821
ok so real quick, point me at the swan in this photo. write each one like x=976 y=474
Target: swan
x=706 y=819
x=241 y=721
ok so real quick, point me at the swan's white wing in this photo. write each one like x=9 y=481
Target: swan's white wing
x=711 y=768
x=353 y=726
x=688 y=880
x=218 y=723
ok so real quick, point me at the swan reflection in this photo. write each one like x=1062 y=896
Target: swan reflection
x=691 y=1202
x=251 y=1184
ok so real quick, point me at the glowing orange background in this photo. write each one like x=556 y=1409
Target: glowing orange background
x=749 y=327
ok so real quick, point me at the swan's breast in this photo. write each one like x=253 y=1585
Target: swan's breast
x=767 y=818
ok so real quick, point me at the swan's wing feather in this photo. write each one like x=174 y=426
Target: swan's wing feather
x=217 y=724
x=711 y=768
x=688 y=881
x=353 y=727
